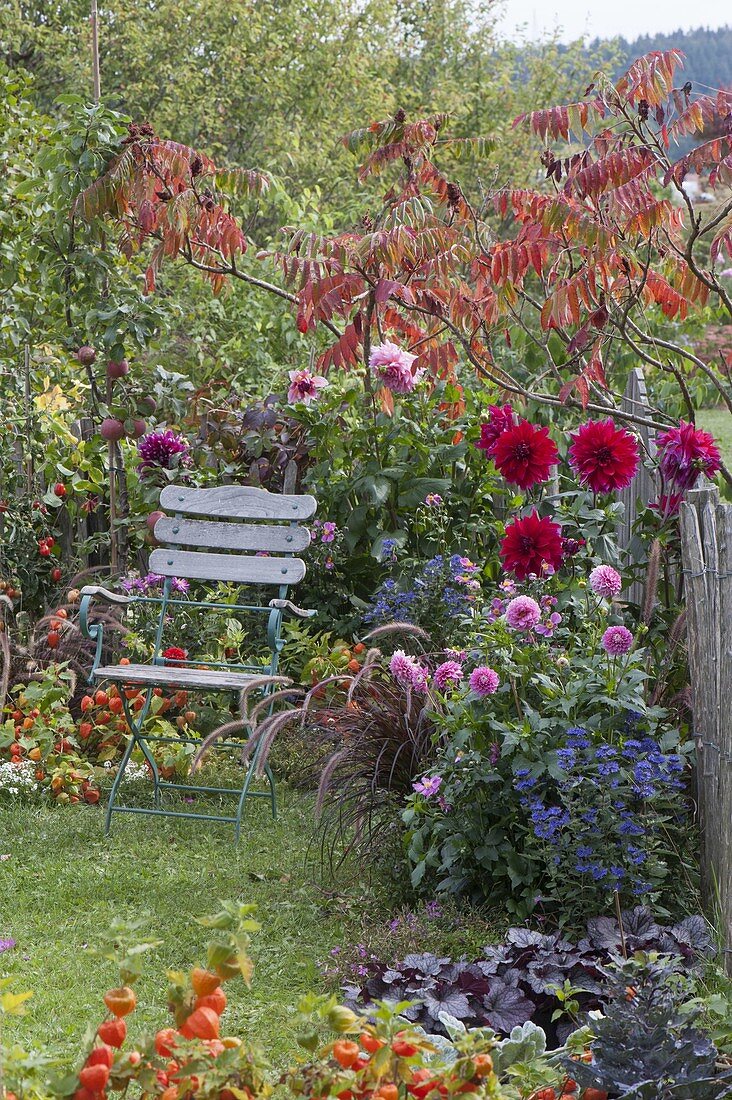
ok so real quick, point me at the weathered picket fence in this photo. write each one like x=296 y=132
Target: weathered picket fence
x=706 y=544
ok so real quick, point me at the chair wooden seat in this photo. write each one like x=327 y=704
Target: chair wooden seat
x=182 y=678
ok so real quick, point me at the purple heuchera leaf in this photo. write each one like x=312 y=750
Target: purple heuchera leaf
x=506 y=1007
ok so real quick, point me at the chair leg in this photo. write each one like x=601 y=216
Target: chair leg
x=136 y=722
x=272 y=791
x=117 y=782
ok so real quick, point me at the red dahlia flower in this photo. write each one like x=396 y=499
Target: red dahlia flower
x=525 y=454
x=604 y=457
x=174 y=655
x=500 y=417
x=686 y=452
x=531 y=544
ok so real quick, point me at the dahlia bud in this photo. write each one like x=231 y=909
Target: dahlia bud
x=400 y=115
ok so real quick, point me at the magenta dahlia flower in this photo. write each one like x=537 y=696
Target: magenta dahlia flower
x=605 y=581
x=605 y=458
x=484 y=681
x=449 y=672
x=523 y=613
x=525 y=454
x=532 y=545
x=305 y=387
x=165 y=449
x=617 y=640
x=500 y=418
x=407 y=671
x=685 y=453
x=392 y=366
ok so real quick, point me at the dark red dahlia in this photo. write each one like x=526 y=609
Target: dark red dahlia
x=532 y=545
x=686 y=452
x=525 y=454
x=604 y=457
x=500 y=417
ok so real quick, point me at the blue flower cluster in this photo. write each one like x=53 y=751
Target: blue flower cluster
x=601 y=816
x=444 y=587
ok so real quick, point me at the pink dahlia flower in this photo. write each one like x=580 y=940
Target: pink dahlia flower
x=449 y=672
x=407 y=671
x=605 y=581
x=305 y=387
x=392 y=366
x=163 y=448
x=617 y=640
x=523 y=613
x=686 y=452
x=484 y=681
x=500 y=418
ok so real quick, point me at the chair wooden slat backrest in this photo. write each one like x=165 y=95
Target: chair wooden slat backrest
x=270 y=541
x=235 y=568
x=277 y=538
x=238 y=502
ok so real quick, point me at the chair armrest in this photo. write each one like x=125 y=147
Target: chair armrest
x=288 y=605
x=101 y=593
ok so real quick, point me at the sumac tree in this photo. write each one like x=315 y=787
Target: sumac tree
x=603 y=258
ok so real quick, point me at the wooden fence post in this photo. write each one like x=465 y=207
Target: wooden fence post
x=706 y=552
x=644 y=486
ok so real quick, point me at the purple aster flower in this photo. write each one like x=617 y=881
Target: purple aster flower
x=449 y=672
x=523 y=613
x=165 y=449
x=484 y=681
x=6 y=944
x=617 y=640
x=605 y=581
x=428 y=785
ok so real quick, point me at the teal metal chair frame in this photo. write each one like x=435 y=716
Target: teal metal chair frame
x=264 y=678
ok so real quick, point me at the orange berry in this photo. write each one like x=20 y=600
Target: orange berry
x=120 y=1002
x=345 y=1052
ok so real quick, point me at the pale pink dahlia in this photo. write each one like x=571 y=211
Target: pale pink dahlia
x=617 y=640
x=523 y=613
x=484 y=681
x=407 y=671
x=605 y=581
x=392 y=366
x=304 y=387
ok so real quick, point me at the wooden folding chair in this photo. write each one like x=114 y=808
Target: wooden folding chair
x=253 y=546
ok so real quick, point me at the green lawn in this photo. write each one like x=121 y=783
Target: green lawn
x=63 y=881
x=719 y=423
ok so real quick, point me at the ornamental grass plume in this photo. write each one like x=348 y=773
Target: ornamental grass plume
x=525 y=454
x=531 y=545
x=652 y=575
x=605 y=458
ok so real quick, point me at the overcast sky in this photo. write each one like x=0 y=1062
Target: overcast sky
x=603 y=20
